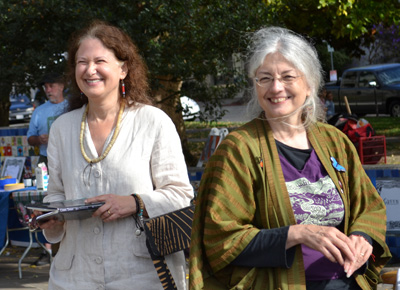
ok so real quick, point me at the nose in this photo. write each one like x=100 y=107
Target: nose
x=276 y=84
x=91 y=70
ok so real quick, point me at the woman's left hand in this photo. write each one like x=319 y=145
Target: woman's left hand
x=115 y=206
x=363 y=249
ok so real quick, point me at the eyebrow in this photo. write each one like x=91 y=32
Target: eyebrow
x=284 y=72
x=96 y=58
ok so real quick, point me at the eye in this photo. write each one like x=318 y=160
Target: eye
x=288 y=78
x=265 y=80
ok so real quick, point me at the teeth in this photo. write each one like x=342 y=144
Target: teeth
x=278 y=100
x=93 y=81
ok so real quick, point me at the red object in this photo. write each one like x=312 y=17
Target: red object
x=372 y=149
x=354 y=133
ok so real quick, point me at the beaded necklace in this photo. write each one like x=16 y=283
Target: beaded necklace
x=114 y=137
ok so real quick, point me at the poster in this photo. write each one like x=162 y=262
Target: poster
x=389 y=189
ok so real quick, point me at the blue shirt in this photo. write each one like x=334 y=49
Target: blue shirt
x=42 y=118
x=330 y=108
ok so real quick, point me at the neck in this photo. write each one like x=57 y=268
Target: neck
x=102 y=111
x=57 y=100
x=290 y=134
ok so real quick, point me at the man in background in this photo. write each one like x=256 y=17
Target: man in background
x=38 y=133
x=44 y=115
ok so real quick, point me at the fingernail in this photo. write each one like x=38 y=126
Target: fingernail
x=348 y=275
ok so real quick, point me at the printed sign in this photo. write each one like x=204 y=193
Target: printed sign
x=389 y=189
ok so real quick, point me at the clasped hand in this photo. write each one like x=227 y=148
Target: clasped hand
x=350 y=252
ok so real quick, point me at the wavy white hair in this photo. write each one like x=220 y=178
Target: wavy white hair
x=301 y=54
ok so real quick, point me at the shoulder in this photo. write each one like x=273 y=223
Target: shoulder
x=328 y=130
x=42 y=107
x=149 y=114
x=65 y=120
x=334 y=138
x=245 y=133
x=243 y=140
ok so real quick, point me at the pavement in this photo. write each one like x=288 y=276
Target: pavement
x=36 y=277
x=33 y=277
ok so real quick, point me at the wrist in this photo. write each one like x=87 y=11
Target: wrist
x=293 y=236
x=139 y=205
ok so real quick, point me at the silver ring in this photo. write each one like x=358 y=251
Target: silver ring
x=362 y=254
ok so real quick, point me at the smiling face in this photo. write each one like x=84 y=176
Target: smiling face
x=98 y=72
x=286 y=92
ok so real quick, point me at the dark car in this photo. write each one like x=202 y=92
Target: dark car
x=21 y=108
x=369 y=90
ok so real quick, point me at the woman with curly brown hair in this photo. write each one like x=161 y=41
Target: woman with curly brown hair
x=112 y=147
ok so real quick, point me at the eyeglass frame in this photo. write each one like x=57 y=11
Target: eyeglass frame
x=281 y=80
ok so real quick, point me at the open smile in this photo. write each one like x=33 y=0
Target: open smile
x=93 y=81
x=278 y=100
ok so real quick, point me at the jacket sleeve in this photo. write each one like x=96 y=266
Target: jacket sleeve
x=367 y=211
x=55 y=190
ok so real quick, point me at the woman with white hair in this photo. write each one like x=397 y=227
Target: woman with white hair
x=284 y=202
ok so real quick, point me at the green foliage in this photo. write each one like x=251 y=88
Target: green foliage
x=343 y=24
x=186 y=40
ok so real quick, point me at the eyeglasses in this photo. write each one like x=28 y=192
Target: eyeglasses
x=266 y=81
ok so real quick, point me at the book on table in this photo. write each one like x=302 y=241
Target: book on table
x=64 y=210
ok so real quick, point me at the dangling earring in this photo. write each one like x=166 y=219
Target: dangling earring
x=82 y=96
x=123 y=89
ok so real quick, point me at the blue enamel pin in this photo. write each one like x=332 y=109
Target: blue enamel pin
x=337 y=166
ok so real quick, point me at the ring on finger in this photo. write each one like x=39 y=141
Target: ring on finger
x=109 y=213
x=362 y=254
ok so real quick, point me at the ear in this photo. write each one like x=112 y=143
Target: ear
x=308 y=93
x=124 y=71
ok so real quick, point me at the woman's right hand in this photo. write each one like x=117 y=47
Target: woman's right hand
x=331 y=242
x=52 y=224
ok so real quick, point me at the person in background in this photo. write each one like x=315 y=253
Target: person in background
x=44 y=115
x=284 y=202
x=329 y=105
x=112 y=147
x=38 y=133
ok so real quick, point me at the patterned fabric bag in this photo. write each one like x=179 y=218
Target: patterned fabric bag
x=167 y=234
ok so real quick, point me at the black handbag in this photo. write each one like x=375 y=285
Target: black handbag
x=167 y=234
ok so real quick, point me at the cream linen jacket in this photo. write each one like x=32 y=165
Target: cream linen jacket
x=146 y=159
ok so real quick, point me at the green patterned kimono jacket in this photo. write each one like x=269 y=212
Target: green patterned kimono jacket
x=243 y=190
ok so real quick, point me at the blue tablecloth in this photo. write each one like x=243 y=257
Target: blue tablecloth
x=7 y=216
x=13 y=131
x=4 y=197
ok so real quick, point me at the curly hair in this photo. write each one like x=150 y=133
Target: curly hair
x=115 y=39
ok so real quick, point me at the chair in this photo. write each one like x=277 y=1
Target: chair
x=393 y=278
x=215 y=137
x=22 y=198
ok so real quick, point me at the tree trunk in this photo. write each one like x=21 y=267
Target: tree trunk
x=5 y=90
x=167 y=99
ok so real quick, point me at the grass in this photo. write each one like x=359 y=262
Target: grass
x=204 y=125
x=387 y=126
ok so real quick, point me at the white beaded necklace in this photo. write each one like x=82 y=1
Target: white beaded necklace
x=114 y=137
